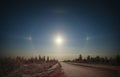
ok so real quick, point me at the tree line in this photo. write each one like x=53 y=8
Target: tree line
x=36 y=59
x=97 y=60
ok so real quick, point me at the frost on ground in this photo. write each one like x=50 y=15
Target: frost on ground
x=54 y=71
x=29 y=68
x=32 y=70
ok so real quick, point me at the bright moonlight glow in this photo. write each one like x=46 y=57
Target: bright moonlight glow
x=59 y=40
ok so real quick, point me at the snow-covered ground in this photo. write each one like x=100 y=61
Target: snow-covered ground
x=38 y=70
x=100 y=66
x=71 y=70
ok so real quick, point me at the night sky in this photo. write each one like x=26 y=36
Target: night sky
x=28 y=28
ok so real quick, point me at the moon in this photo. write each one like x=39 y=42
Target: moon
x=59 y=40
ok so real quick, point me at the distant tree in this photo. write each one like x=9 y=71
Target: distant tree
x=80 y=58
x=35 y=59
x=39 y=58
x=76 y=60
x=117 y=59
x=106 y=59
x=110 y=61
x=102 y=60
x=88 y=58
x=97 y=59
x=47 y=58
x=43 y=59
x=91 y=59
x=84 y=60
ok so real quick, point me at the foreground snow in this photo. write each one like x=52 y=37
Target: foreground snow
x=38 y=70
x=71 y=70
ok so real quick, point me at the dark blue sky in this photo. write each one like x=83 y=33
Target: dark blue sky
x=89 y=27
